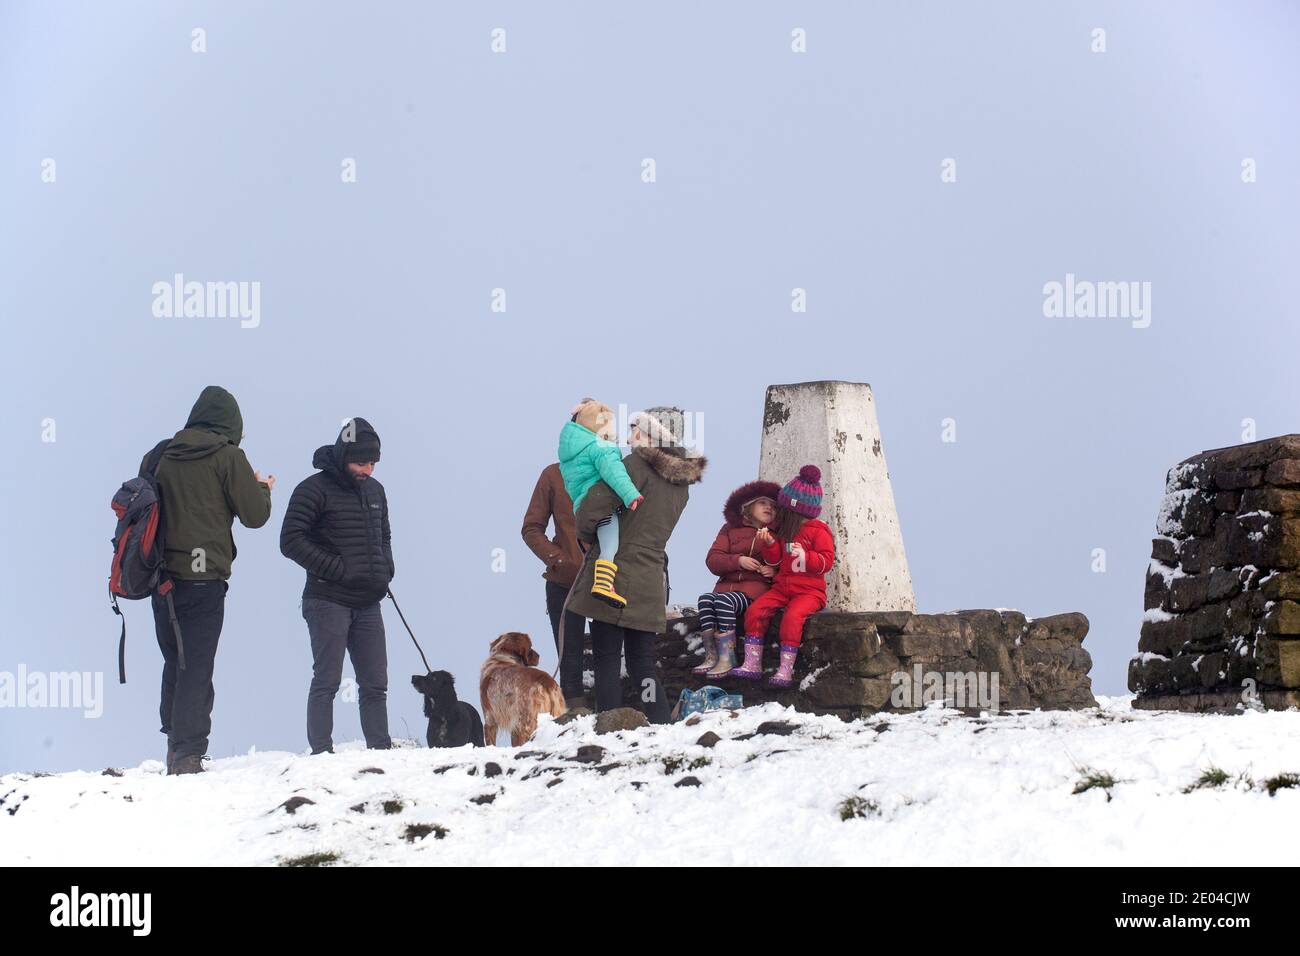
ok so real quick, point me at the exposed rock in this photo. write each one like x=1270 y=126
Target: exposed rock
x=708 y=739
x=1283 y=473
x=620 y=718
x=572 y=714
x=1164 y=550
x=1216 y=702
x=589 y=753
x=1280 y=586
x=1283 y=617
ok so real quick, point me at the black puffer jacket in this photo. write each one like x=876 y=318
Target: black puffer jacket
x=337 y=528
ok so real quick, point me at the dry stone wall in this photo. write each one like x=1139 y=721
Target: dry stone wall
x=1222 y=620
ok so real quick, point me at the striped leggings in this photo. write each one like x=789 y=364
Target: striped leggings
x=721 y=611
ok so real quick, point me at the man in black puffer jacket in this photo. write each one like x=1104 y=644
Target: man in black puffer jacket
x=336 y=526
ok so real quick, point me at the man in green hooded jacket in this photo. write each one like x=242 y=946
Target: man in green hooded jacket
x=205 y=483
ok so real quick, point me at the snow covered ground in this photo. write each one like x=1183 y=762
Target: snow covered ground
x=932 y=788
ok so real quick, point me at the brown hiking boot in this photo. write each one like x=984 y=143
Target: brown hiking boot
x=188 y=763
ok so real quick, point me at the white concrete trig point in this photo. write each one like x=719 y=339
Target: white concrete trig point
x=833 y=426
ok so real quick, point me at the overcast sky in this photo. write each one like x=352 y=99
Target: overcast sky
x=523 y=170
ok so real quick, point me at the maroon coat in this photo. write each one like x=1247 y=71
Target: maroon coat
x=736 y=539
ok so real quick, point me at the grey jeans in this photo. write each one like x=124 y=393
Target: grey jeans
x=335 y=629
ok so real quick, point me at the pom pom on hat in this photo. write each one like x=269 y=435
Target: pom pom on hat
x=810 y=474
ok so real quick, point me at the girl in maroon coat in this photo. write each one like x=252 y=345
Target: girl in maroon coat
x=742 y=575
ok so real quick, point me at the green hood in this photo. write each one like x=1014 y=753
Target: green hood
x=214 y=421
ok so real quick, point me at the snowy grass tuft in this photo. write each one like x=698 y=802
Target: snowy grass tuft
x=1210 y=778
x=1090 y=779
x=1283 y=781
x=851 y=807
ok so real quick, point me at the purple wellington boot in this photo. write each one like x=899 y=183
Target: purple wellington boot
x=752 y=669
x=784 y=675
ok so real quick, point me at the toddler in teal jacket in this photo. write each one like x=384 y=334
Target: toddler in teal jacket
x=588 y=454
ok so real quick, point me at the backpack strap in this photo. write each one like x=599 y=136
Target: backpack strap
x=121 y=644
x=149 y=467
x=166 y=590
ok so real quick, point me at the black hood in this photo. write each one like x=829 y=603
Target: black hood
x=334 y=458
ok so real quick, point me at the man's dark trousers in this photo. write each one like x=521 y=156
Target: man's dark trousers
x=335 y=629
x=187 y=694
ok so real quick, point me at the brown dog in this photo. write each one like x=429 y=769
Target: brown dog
x=514 y=691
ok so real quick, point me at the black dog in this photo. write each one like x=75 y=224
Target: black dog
x=452 y=722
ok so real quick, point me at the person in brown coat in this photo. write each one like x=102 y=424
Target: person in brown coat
x=742 y=574
x=550 y=504
x=663 y=470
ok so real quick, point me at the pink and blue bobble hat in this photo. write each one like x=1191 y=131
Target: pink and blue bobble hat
x=803 y=493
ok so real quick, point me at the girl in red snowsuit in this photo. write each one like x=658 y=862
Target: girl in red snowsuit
x=803 y=551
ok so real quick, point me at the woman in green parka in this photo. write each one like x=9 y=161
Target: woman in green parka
x=588 y=455
x=663 y=470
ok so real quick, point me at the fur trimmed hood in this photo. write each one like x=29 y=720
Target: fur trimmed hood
x=745 y=494
x=675 y=469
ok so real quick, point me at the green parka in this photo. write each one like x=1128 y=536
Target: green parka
x=207 y=482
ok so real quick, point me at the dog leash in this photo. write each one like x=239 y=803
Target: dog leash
x=427 y=668
x=559 y=644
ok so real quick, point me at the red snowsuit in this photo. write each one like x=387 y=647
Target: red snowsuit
x=801 y=593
